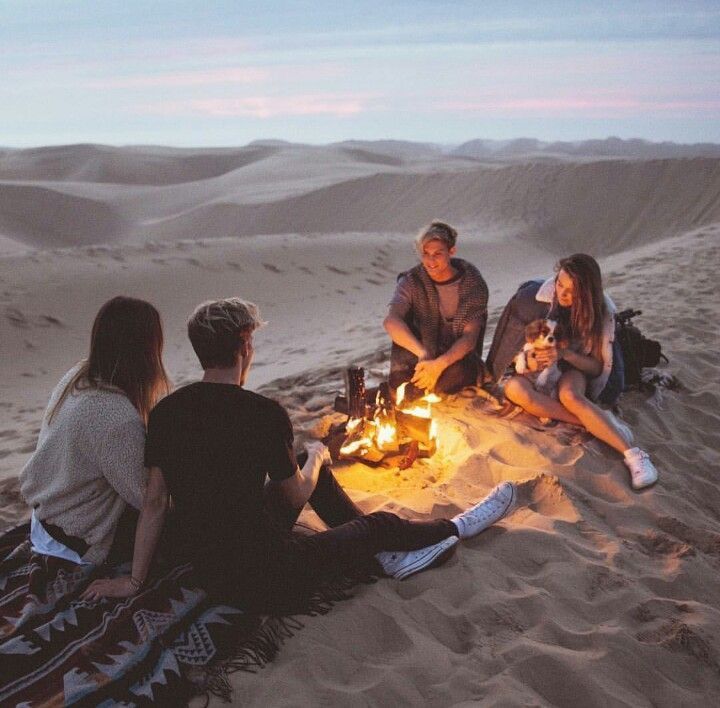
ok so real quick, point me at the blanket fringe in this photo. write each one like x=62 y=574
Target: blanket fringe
x=255 y=652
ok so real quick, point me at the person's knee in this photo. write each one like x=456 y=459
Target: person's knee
x=383 y=517
x=572 y=399
x=516 y=391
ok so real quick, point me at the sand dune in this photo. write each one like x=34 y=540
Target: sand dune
x=590 y=594
x=45 y=218
x=602 y=206
x=105 y=164
x=530 y=148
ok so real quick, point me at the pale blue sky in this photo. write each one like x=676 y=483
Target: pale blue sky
x=177 y=72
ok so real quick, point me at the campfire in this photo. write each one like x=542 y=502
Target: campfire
x=396 y=428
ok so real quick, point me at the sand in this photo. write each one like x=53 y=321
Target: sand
x=589 y=594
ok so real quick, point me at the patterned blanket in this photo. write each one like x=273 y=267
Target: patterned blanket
x=160 y=646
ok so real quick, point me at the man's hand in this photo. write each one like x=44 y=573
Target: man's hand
x=109 y=587
x=319 y=451
x=427 y=373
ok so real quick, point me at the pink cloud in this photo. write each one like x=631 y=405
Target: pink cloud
x=265 y=106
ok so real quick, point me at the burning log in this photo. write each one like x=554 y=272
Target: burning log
x=360 y=441
x=398 y=431
x=355 y=391
x=418 y=428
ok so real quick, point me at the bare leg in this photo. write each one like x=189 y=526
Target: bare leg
x=571 y=390
x=519 y=390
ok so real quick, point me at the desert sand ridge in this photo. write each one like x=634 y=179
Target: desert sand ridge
x=604 y=206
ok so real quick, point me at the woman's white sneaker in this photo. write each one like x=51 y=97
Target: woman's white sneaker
x=496 y=505
x=403 y=564
x=643 y=472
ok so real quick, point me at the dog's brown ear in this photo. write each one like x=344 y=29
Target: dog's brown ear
x=533 y=330
x=562 y=333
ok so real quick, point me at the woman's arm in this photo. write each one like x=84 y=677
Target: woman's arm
x=147 y=535
x=586 y=363
x=121 y=459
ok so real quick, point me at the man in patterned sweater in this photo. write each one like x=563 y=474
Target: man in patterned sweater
x=437 y=317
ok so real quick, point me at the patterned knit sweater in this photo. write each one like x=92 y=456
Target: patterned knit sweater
x=87 y=465
x=424 y=319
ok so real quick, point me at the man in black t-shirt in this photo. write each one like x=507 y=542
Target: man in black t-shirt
x=210 y=446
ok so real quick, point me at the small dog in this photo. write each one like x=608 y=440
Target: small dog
x=540 y=334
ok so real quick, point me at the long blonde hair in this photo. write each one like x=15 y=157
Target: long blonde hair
x=125 y=355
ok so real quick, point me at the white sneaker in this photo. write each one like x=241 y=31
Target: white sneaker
x=499 y=503
x=642 y=471
x=403 y=564
x=622 y=428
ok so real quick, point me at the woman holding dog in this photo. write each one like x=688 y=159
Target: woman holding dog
x=578 y=303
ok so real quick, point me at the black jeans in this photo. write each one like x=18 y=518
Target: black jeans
x=304 y=562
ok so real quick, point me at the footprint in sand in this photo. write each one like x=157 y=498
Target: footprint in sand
x=16 y=317
x=305 y=269
x=339 y=271
x=272 y=268
x=679 y=637
x=372 y=281
x=603 y=581
x=659 y=545
x=704 y=541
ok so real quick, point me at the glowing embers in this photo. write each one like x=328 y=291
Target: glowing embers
x=395 y=433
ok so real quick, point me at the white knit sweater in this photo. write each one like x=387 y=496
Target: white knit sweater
x=87 y=465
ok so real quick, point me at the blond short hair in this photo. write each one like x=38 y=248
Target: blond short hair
x=436 y=231
x=217 y=328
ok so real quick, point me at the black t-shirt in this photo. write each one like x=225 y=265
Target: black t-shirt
x=214 y=444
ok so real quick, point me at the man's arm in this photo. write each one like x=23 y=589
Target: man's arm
x=463 y=346
x=147 y=535
x=395 y=325
x=428 y=372
x=401 y=334
x=296 y=490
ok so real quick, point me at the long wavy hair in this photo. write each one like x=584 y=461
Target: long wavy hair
x=125 y=355
x=588 y=309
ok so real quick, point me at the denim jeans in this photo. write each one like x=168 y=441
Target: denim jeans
x=305 y=561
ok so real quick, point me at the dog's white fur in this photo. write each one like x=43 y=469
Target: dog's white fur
x=547 y=380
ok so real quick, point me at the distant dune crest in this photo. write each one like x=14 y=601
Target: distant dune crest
x=599 y=195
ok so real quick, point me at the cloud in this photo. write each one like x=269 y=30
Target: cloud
x=265 y=106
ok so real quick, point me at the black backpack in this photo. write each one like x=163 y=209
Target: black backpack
x=638 y=351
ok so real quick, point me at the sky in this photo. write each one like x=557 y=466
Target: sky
x=189 y=73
